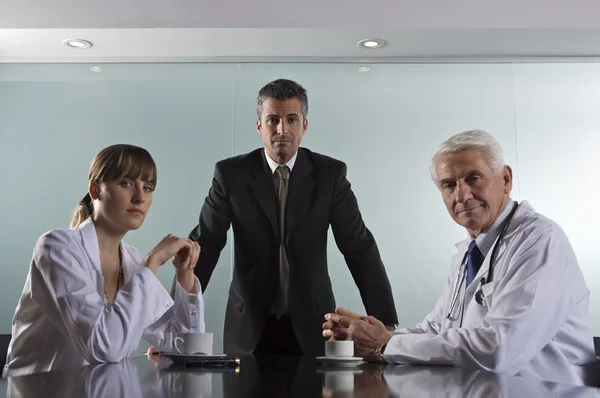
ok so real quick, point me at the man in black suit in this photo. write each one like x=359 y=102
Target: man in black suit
x=281 y=201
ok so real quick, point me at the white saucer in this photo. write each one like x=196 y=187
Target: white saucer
x=337 y=370
x=340 y=361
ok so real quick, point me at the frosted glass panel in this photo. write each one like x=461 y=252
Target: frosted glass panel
x=558 y=123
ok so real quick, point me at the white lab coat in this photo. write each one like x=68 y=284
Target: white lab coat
x=536 y=322
x=61 y=320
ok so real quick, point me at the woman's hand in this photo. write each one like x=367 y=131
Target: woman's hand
x=187 y=258
x=184 y=262
x=152 y=355
x=184 y=252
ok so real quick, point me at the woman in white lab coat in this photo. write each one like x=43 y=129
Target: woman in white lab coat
x=89 y=297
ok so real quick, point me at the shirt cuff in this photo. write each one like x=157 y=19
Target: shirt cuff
x=193 y=304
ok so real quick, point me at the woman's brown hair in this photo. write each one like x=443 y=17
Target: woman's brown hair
x=114 y=162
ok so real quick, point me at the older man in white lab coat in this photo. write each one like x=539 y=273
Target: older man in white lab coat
x=515 y=301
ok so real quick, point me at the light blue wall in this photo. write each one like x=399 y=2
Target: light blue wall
x=385 y=124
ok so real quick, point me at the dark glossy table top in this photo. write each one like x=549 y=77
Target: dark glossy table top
x=278 y=377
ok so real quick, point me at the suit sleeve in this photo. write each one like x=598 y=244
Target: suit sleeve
x=360 y=251
x=211 y=231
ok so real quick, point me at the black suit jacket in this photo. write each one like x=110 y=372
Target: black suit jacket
x=243 y=196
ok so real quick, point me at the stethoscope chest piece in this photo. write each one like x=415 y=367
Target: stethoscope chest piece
x=479 y=298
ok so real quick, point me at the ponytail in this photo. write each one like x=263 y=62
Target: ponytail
x=83 y=211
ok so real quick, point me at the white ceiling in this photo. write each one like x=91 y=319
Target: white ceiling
x=309 y=30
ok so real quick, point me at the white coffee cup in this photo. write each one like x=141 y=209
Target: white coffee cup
x=339 y=348
x=194 y=343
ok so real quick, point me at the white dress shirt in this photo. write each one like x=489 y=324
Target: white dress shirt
x=274 y=165
x=62 y=321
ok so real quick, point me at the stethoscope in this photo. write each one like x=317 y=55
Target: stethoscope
x=484 y=280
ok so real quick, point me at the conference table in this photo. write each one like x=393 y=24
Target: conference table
x=278 y=376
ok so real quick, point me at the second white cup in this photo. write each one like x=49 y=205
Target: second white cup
x=339 y=348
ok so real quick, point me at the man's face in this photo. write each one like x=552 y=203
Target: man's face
x=281 y=126
x=473 y=192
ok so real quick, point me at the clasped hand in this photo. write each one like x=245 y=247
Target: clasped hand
x=368 y=333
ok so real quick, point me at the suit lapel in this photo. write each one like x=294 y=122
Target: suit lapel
x=300 y=195
x=261 y=183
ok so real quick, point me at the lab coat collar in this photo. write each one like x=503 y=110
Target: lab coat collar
x=524 y=211
x=90 y=243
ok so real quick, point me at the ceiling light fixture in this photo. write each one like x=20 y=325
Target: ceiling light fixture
x=371 y=43
x=78 y=43
x=364 y=69
x=96 y=69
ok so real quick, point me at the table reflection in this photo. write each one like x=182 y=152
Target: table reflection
x=279 y=377
x=460 y=382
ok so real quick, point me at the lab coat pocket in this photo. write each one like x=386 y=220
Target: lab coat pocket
x=488 y=293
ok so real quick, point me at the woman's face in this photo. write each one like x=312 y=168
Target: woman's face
x=122 y=203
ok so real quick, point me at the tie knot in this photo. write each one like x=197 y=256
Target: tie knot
x=283 y=172
x=472 y=247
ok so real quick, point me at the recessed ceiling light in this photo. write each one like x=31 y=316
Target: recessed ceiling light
x=371 y=43
x=364 y=69
x=77 y=43
x=96 y=69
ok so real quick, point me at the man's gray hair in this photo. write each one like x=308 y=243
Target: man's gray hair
x=478 y=140
x=282 y=90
